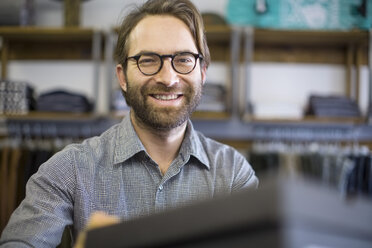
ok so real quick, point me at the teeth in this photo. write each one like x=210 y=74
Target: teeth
x=166 y=97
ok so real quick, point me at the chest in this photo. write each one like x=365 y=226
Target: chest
x=137 y=189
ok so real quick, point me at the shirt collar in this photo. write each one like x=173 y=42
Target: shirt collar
x=192 y=146
x=128 y=144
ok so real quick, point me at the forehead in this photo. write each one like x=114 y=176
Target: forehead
x=162 y=34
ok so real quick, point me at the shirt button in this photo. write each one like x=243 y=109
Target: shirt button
x=160 y=187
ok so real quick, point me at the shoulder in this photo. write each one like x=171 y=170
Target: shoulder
x=95 y=146
x=77 y=156
x=76 y=165
x=227 y=162
x=214 y=148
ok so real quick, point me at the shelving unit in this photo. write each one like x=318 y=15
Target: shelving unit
x=236 y=45
x=348 y=48
x=36 y=43
x=232 y=45
x=247 y=45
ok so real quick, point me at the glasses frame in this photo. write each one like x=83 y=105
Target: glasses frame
x=162 y=57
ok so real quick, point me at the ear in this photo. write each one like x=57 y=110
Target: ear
x=121 y=77
x=203 y=74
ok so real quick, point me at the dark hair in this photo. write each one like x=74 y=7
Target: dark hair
x=181 y=9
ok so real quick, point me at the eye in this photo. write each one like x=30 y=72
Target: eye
x=184 y=59
x=148 y=60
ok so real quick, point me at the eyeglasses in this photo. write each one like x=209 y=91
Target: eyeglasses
x=151 y=63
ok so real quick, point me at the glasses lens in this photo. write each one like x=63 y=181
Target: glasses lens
x=149 y=63
x=184 y=62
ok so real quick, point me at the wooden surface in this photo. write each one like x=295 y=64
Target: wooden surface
x=293 y=46
x=270 y=45
x=32 y=43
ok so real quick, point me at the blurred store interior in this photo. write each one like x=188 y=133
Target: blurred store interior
x=289 y=86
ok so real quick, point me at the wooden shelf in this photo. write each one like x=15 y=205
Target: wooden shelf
x=218 y=38
x=36 y=115
x=218 y=34
x=33 y=43
x=221 y=33
x=41 y=33
x=209 y=115
x=311 y=37
x=52 y=116
x=295 y=46
x=308 y=120
x=330 y=47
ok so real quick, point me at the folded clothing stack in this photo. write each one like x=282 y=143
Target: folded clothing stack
x=16 y=97
x=332 y=106
x=63 y=101
x=214 y=98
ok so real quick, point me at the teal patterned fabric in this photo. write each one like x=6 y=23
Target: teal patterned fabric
x=300 y=14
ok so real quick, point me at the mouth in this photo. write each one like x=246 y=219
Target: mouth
x=166 y=97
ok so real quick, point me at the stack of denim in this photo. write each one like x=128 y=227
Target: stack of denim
x=63 y=101
x=332 y=106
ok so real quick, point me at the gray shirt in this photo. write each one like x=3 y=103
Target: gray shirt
x=113 y=173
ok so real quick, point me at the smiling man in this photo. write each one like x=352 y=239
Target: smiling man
x=154 y=159
x=162 y=81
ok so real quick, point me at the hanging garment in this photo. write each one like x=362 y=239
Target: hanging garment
x=12 y=183
x=346 y=168
x=3 y=185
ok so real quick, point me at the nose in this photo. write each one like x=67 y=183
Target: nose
x=167 y=75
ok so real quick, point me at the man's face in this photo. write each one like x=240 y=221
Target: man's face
x=164 y=100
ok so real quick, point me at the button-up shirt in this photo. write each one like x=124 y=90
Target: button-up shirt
x=113 y=173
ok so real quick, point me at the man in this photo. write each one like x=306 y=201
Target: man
x=154 y=159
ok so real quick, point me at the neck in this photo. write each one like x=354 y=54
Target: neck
x=162 y=145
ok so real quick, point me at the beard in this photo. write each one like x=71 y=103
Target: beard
x=162 y=118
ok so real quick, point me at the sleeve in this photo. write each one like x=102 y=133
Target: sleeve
x=245 y=176
x=47 y=209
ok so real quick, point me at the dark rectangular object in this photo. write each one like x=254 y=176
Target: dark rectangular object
x=332 y=106
x=279 y=214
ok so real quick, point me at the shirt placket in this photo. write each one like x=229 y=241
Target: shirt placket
x=163 y=186
x=159 y=182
